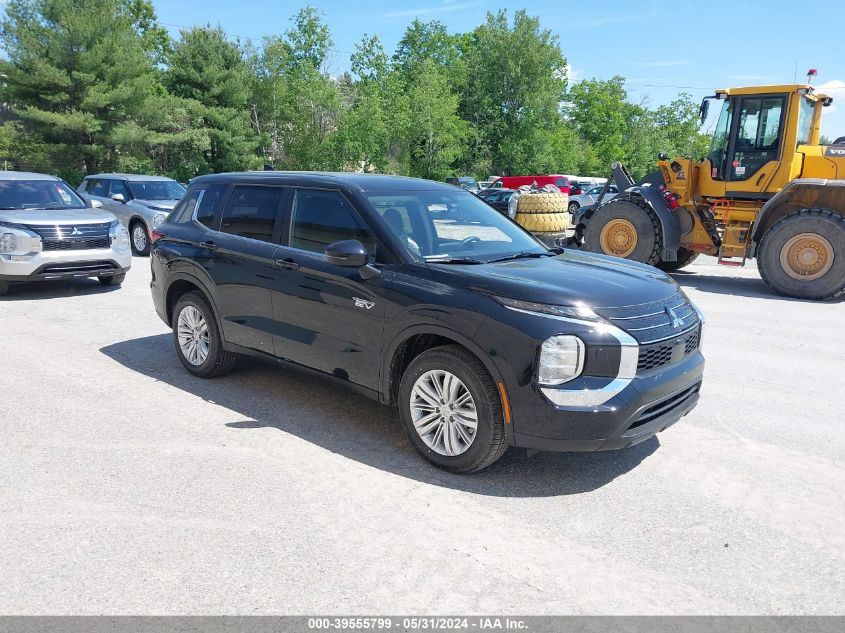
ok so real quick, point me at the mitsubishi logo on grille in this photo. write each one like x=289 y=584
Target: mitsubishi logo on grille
x=674 y=318
x=76 y=231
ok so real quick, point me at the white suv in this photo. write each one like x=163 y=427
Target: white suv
x=48 y=232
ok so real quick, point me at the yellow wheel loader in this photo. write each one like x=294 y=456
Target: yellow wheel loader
x=766 y=190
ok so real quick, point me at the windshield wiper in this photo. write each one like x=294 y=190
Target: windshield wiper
x=454 y=260
x=523 y=255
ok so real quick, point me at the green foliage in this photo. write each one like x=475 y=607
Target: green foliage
x=99 y=85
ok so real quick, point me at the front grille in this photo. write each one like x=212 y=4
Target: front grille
x=668 y=352
x=663 y=407
x=62 y=237
x=78 y=269
x=656 y=321
x=75 y=244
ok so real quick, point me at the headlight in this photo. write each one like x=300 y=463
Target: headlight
x=8 y=243
x=119 y=237
x=575 y=311
x=159 y=219
x=561 y=360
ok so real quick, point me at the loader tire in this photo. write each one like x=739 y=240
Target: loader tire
x=543 y=222
x=802 y=255
x=542 y=203
x=625 y=228
x=685 y=258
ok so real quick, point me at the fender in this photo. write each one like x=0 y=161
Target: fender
x=801 y=193
x=401 y=337
x=184 y=275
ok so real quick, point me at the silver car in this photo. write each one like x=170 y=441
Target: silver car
x=590 y=196
x=48 y=232
x=142 y=203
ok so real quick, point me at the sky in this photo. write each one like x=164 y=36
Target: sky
x=661 y=48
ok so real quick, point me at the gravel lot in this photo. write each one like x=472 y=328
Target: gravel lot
x=131 y=487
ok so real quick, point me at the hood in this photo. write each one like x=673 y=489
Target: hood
x=596 y=280
x=159 y=205
x=57 y=216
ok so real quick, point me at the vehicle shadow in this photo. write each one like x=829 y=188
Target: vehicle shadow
x=56 y=289
x=265 y=395
x=752 y=287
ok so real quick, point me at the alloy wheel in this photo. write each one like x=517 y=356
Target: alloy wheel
x=192 y=331
x=443 y=412
x=139 y=238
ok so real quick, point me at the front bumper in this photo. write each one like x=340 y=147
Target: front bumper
x=48 y=265
x=649 y=404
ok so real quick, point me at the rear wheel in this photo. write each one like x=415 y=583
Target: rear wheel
x=624 y=228
x=140 y=238
x=573 y=207
x=803 y=255
x=685 y=258
x=450 y=410
x=197 y=339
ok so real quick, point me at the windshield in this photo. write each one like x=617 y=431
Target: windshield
x=156 y=190
x=38 y=194
x=441 y=225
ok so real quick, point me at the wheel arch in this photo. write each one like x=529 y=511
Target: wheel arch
x=181 y=283
x=804 y=193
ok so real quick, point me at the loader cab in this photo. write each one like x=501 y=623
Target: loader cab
x=753 y=150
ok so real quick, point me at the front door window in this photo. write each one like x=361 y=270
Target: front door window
x=719 y=145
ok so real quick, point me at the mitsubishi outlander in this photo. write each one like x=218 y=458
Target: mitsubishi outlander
x=421 y=296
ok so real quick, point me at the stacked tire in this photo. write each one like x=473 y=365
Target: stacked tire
x=543 y=212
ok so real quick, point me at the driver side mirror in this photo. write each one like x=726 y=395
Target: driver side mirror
x=703 y=110
x=95 y=204
x=347 y=253
x=118 y=197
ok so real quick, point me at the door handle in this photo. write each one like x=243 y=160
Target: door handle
x=211 y=246
x=757 y=184
x=287 y=263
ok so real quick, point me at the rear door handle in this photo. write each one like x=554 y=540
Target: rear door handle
x=287 y=263
x=211 y=246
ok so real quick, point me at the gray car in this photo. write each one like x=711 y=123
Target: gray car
x=140 y=202
x=48 y=232
x=590 y=197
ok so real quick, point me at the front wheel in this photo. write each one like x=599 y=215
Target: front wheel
x=803 y=255
x=573 y=207
x=624 y=228
x=451 y=411
x=140 y=238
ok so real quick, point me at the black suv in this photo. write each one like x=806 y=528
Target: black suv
x=420 y=295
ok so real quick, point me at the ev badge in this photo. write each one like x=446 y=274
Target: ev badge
x=674 y=318
x=363 y=303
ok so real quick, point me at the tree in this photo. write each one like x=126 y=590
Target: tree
x=438 y=129
x=210 y=77
x=516 y=80
x=77 y=71
x=297 y=105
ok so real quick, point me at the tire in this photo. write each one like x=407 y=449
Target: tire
x=217 y=360
x=645 y=243
x=574 y=206
x=542 y=203
x=4 y=287
x=685 y=258
x=112 y=280
x=543 y=222
x=817 y=279
x=488 y=442
x=139 y=236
